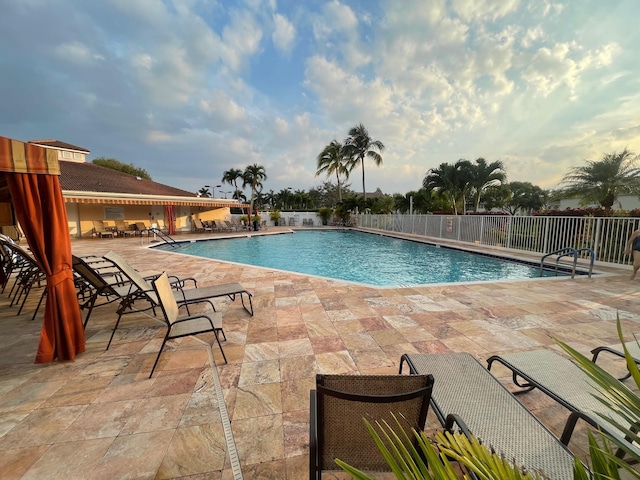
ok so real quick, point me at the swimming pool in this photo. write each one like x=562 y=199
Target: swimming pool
x=359 y=257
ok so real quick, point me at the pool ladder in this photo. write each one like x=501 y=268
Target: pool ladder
x=569 y=252
x=163 y=236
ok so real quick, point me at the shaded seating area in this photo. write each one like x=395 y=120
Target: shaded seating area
x=467 y=396
x=29 y=178
x=338 y=406
x=564 y=382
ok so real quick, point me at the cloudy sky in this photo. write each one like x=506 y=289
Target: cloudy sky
x=187 y=89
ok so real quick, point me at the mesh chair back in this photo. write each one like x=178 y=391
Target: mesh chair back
x=167 y=300
x=90 y=276
x=133 y=275
x=343 y=401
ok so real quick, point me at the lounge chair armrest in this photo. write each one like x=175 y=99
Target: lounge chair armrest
x=452 y=420
x=195 y=317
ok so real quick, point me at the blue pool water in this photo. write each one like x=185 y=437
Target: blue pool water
x=359 y=257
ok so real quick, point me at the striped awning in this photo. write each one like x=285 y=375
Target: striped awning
x=21 y=157
x=175 y=201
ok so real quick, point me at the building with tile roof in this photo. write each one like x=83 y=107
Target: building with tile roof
x=94 y=193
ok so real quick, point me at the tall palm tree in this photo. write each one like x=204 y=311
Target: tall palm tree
x=452 y=181
x=359 y=145
x=231 y=177
x=253 y=176
x=204 y=192
x=333 y=159
x=485 y=175
x=604 y=180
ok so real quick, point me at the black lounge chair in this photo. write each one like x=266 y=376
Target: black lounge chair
x=338 y=406
x=566 y=383
x=616 y=350
x=468 y=397
x=92 y=286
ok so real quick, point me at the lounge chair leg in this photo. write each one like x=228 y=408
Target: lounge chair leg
x=215 y=332
x=44 y=294
x=114 y=332
x=159 y=353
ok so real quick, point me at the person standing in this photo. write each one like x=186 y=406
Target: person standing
x=633 y=248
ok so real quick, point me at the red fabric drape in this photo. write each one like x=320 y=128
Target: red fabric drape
x=39 y=207
x=170 y=218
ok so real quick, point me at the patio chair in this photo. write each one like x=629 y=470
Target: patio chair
x=338 y=406
x=101 y=230
x=183 y=296
x=616 y=350
x=123 y=229
x=141 y=228
x=201 y=227
x=563 y=381
x=93 y=286
x=467 y=396
x=28 y=275
x=182 y=326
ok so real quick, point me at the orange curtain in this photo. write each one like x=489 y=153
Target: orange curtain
x=39 y=207
x=170 y=218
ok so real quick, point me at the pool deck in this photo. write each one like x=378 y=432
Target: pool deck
x=100 y=417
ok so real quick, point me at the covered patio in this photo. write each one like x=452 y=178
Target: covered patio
x=100 y=417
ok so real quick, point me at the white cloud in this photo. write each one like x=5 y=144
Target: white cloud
x=478 y=10
x=531 y=36
x=223 y=108
x=284 y=33
x=241 y=39
x=564 y=64
x=78 y=53
x=336 y=18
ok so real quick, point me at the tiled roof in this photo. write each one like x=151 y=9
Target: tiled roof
x=87 y=177
x=59 y=144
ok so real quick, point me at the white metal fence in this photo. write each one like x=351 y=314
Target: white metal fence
x=605 y=236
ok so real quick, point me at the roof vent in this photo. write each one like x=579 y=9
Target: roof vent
x=138 y=178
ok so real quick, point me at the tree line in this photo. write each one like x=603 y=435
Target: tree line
x=458 y=188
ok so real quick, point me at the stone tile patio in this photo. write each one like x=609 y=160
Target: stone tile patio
x=101 y=417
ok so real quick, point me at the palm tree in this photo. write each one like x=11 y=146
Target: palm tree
x=485 y=175
x=359 y=145
x=452 y=181
x=253 y=176
x=333 y=159
x=204 y=192
x=603 y=181
x=231 y=177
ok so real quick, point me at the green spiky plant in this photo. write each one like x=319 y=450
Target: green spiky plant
x=619 y=398
x=432 y=459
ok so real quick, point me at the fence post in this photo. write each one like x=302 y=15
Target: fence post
x=596 y=238
x=459 y=227
x=481 y=228
x=508 y=245
x=545 y=242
